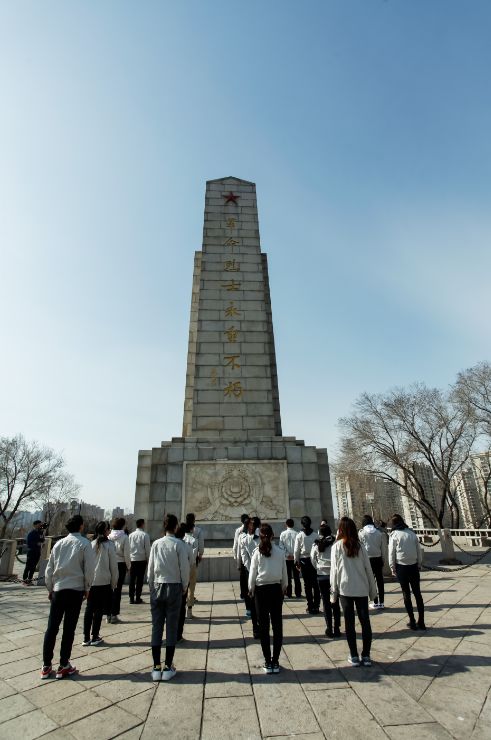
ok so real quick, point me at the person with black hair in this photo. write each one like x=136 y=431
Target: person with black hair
x=352 y=581
x=406 y=560
x=105 y=580
x=243 y=572
x=248 y=544
x=193 y=543
x=198 y=534
x=267 y=585
x=139 y=542
x=236 y=548
x=372 y=539
x=168 y=578
x=34 y=542
x=303 y=546
x=121 y=541
x=320 y=556
x=182 y=532
x=287 y=543
x=69 y=575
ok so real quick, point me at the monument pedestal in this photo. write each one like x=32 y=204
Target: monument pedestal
x=275 y=478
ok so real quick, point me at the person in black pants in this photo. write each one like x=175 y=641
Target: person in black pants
x=69 y=576
x=352 y=581
x=121 y=542
x=320 y=556
x=267 y=585
x=405 y=560
x=105 y=580
x=248 y=544
x=35 y=541
x=372 y=539
x=303 y=546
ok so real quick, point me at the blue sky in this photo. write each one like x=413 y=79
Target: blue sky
x=366 y=128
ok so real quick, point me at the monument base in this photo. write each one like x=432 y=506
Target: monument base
x=273 y=477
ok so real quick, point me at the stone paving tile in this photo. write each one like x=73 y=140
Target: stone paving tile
x=427 y=731
x=13 y=706
x=111 y=722
x=456 y=710
x=282 y=707
x=27 y=726
x=6 y=689
x=123 y=687
x=221 y=716
x=74 y=708
x=182 y=702
x=340 y=713
x=52 y=691
x=140 y=704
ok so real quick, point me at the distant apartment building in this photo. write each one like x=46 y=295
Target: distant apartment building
x=358 y=495
x=87 y=511
x=472 y=485
x=118 y=512
x=432 y=488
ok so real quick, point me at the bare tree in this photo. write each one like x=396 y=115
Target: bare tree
x=400 y=434
x=473 y=391
x=56 y=500
x=28 y=471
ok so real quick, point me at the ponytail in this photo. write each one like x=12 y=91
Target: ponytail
x=265 y=536
x=326 y=538
x=100 y=531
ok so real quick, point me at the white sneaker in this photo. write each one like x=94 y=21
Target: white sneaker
x=156 y=674
x=373 y=605
x=168 y=673
x=380 y=606
x=86 y=643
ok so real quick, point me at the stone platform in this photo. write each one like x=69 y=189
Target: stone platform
x=422 y=685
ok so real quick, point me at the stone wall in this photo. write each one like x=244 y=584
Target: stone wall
x=160 y=477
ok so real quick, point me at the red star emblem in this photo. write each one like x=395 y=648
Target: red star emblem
x=231 y=198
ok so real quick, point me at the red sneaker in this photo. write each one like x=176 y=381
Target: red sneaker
x=46 y=671
x=64 y=671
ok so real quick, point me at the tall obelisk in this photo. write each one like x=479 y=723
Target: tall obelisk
x=231 y=383
x=232 y=457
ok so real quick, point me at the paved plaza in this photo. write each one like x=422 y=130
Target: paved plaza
x=422 y=685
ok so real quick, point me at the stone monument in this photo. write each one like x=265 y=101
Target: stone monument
x=232 y=457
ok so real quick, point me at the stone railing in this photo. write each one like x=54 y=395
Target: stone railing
x=469 y=537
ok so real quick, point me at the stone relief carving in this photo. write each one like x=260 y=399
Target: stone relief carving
x=222 y=491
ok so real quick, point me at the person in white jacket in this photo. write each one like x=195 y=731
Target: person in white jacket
x=236 y=551
x=121 y=542
x=267 y=585
x=198 y=534
x=168 y=578
x=303 y=546
x=139 y=554
x=373 y=540
x=320 y=556
x=287 y=543
x=406 y=560
x=353 y=583
x=69 y=576
x=105 y=581
x=248 y=544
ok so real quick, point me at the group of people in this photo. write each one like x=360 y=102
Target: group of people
x=95 y=570
x=345 y=572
